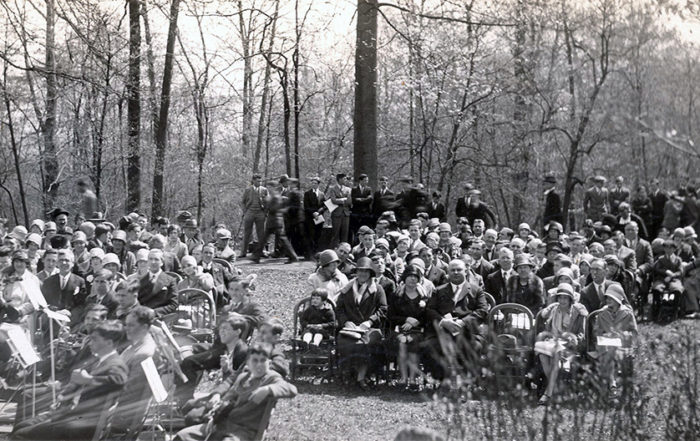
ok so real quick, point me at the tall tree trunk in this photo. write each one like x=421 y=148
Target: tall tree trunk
x=161 y=126
x=247 y=80
x=265 y=93
x=15 y=151
x=521 y=175
x=133 y=85
x=295 y=66
x=365 y=114
x=287 y=112
x=50 y=159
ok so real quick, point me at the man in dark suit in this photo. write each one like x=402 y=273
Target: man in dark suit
x=595 y=200
x=90 y=392
x=592 y=296
x=482 y=267
x=642 y=248
x=464 y=201
x=361 y=205
x=658 y=202
x=496 y=283
x=254 y=207
x=457 y=309
x=432 y=271
x=65 y=291
x=313 y=207
x=552 y=202
x=221 y=275
x=157 y=289
x=618 y=195
x=479 y=210
x=383 y=198
x=437 y=208
x=340 y=195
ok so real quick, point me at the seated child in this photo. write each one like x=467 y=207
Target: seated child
x=318 y=319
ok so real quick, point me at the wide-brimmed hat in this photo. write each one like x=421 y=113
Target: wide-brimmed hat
x=97 y=217
x=550 y=179
x=365 y=263
x=523 y=259
x=615 y=292
x=327 y=257
x=565 y=289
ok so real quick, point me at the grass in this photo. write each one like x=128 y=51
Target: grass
x=334 y=412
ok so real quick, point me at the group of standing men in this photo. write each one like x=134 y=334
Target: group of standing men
x=308 y=222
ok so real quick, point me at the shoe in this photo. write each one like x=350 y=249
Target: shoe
x=363 y=385
x=242 y=256
x=544 y=400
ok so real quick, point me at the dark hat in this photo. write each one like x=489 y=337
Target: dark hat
x=59 y=241
x=365 y=263
x=183 y=215
x=556 y=225
x=411 y=270
x=57 y=212
x=550 y=179
x=362 y=176
x=468 y=185
x=327 y=257
x=340 y=175
x=315 y=178
x=97 y=217
x=611 y=259
x=257 y=176
x=284 y=178
x=191 y=223
x=101 y=229
x=554 y=246
x=365 y=230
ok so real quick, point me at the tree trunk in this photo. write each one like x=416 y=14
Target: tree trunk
x=265 y=95
x=247 y=80
x=295 y=66
x=15 y=152
x=50 y=159
x=287 y=112
x=365 y=114
x=161 y=126
x=133 y=85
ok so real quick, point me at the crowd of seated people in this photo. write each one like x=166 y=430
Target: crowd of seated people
x=408 y=292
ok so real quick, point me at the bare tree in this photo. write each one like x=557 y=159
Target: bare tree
x=133 y=87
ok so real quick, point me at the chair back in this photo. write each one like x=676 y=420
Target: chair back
x=199 y=307
x=512 y=319
x=590 y=331
x=265 y=420
x=299 y=308
x=176 y=276
x=102 y=426
x=226 y=264
x=539 y=322
x=491 y=300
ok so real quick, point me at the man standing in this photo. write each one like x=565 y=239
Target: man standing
x=463 y=202
x=274 y=225
x=340 y=195
x=437 y=208
x=383 y=198
x=361 y=204
x=595 y=201
x=88 y=200
x=618 y=195
x=253 y=211
x=313 y=206
x=552 y=202
x=479 y=210
x=658 y=202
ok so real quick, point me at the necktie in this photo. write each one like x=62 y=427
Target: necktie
x=63 y=283
x=600 y=291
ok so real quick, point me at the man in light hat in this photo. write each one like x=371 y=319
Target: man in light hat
x=552 y=201
x=340 y=195
x=596 y=200
x=223 y=249
x=618 y=194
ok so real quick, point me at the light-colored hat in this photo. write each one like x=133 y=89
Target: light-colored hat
x=616 y=293
x=565 y=289
x=111 y=258
x=142 y=255
x=39 y=223
x=19 y=232
x=97 y=253
x=34 y=238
